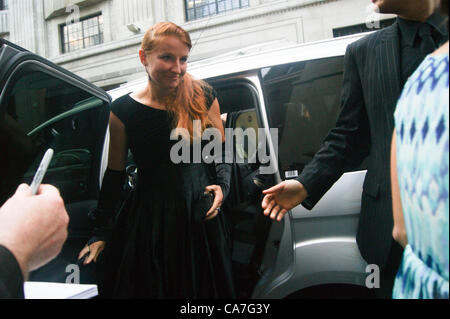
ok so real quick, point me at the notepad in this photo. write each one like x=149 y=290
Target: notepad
x=50 y=290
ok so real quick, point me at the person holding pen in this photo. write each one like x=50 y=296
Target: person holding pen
x=33 y=230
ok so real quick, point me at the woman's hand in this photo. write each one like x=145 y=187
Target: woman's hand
x=93 y=251
x=218 y=198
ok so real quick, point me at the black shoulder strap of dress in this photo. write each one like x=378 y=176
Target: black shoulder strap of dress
x=121 y=107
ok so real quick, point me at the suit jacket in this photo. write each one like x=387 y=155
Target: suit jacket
x=372 y=85
x=11 y=278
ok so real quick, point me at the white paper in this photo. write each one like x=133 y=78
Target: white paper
x=50 y=290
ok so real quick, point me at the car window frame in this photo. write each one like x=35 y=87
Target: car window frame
x=16 y=59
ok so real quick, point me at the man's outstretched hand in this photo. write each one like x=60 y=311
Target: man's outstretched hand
x=281 y=198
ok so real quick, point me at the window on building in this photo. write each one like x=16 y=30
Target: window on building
x=3 y=5
x=197 y=9
x=82 y=34
x=359 y=28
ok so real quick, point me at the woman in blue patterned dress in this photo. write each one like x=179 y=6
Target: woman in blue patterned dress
x=420 y=180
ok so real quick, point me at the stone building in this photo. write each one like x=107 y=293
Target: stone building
x=99 y=39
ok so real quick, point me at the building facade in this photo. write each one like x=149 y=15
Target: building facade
x=99 y=39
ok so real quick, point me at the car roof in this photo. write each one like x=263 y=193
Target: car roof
x=253 y=58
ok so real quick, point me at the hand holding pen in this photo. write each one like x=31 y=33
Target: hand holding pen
x=34 y=227
x=40 y=173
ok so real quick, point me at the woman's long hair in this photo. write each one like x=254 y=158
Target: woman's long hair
x=188 y=102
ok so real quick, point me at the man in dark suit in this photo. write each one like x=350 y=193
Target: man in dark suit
x=32 y=232
x=376 y=68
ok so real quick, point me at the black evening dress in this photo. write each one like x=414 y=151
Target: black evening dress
x=157 y=249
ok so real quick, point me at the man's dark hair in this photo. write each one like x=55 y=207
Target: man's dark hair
x=444 y=7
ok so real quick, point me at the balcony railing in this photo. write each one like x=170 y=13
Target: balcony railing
x=4 y=22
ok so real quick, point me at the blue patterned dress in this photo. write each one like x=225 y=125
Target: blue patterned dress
x=422 y=129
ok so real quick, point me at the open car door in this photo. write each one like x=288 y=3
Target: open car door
x=239 y=101
x=43 y=106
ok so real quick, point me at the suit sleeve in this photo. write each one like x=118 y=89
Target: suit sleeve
x=347 y=144
x=11 y=278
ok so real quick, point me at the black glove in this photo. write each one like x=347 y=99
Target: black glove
x=223 y=171
x=103 y=215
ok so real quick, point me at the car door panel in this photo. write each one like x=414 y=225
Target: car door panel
x=44 y=106
x=303 y=102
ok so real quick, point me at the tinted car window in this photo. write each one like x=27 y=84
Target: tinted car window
x=40 y=111
x=234 y=97
x=303 y=103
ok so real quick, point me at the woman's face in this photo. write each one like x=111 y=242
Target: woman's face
x=167 y=63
